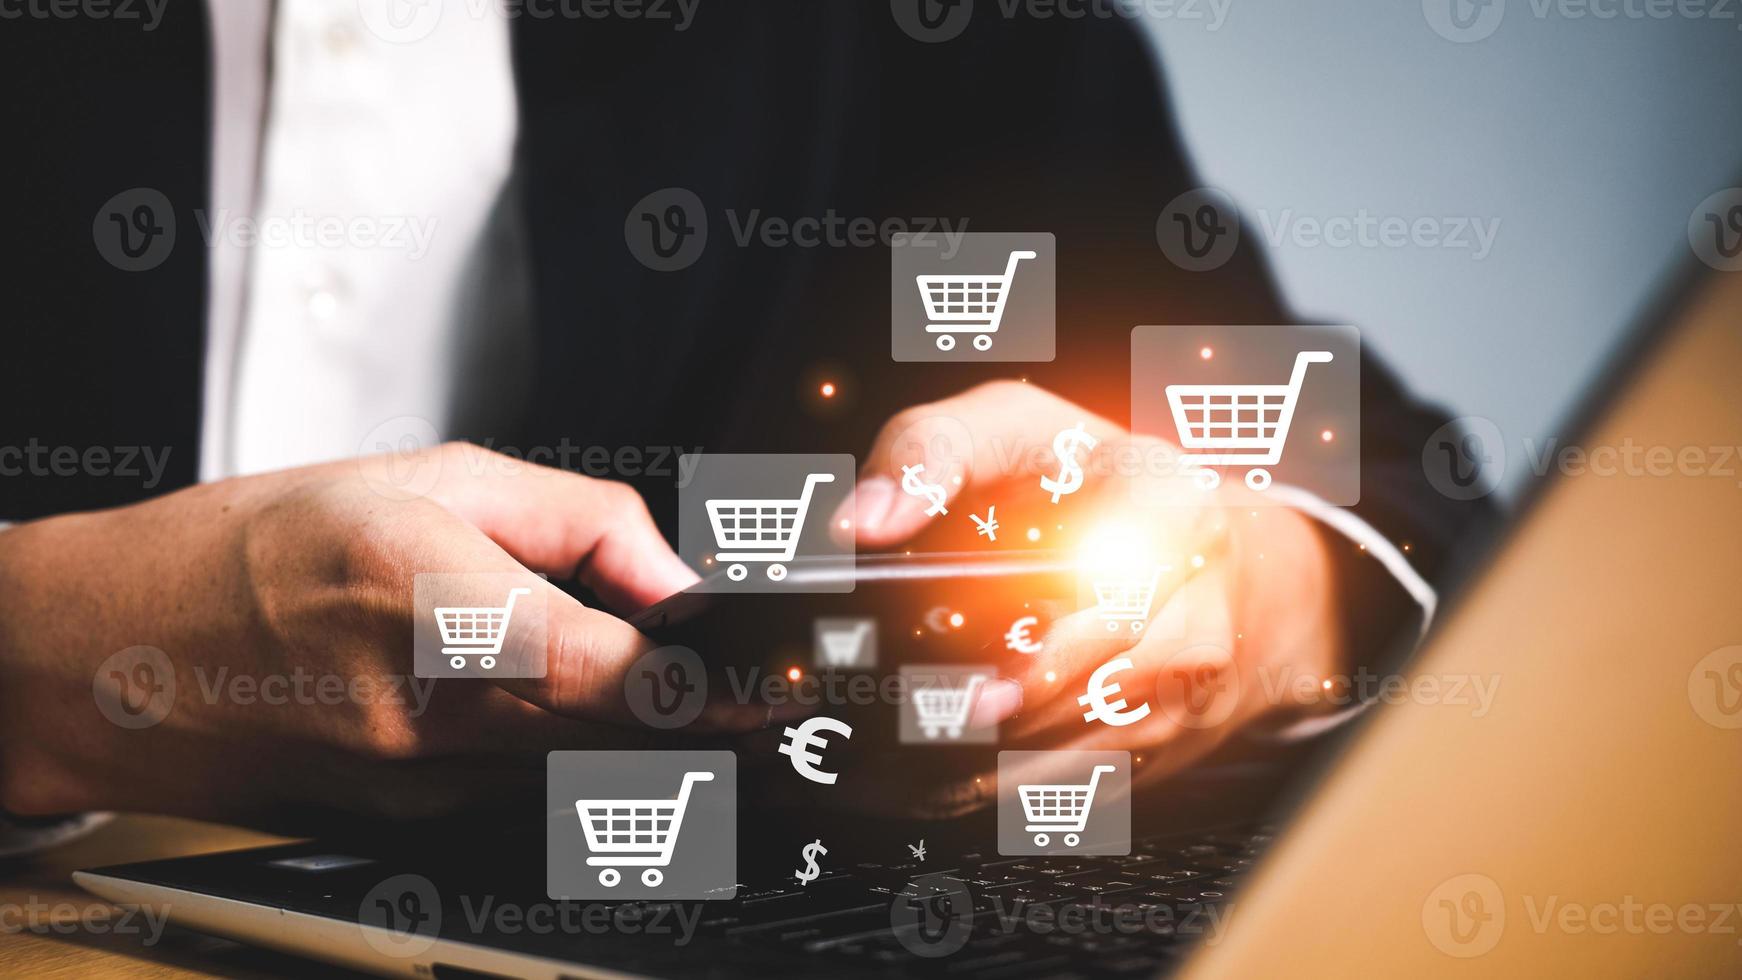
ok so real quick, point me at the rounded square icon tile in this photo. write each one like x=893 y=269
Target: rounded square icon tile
x=972 y=296
x=1064 y=802
x=625 y=826
x=479 y=624
x=763 y=522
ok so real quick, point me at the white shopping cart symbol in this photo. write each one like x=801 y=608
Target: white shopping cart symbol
x=1053 y=807
x=841 y=647
x=967 y=304
x=1125 y=599
x=468 y=631
x=1247 y=423
x=761 y=530
x=945 y=709
x=635 y=833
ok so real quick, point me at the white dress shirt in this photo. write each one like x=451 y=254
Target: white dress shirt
x=355 y=179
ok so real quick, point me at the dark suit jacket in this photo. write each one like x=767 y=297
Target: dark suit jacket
x=793 y=107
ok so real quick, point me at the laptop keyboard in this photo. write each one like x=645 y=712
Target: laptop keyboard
x=1031 y=917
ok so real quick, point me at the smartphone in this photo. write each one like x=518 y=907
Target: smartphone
x=949 y=607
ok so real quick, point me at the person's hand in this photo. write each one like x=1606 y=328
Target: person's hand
x=283 y=604
x=1243 y=613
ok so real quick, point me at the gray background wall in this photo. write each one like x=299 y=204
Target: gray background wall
x=1591 y=141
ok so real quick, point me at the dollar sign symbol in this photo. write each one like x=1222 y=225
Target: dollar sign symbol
x=911 y=482
x=810 y=872
x=1064 y=446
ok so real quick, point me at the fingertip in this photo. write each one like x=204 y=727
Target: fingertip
x=999 y=699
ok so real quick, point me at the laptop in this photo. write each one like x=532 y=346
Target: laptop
x=1582 y=824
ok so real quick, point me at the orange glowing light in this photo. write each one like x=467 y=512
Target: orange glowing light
x=956 y=620
x=828 y=389
x=1326 y=435
x=793 y=673
x=1206 y=353
x=1034 y=534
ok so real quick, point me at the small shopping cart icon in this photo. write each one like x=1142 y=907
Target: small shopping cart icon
x=968 y=304
x=1244 y=424
x=471 y=631
x=761 y=530
x=843 y=645
x=635 y=833
x=944 y=710
x=1125 y=598
x=1051 y=808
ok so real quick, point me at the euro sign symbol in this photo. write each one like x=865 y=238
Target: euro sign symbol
x=1473 y=909
x=145 y=222
x=802 y=739
x=1101 y=690
x=1463 y=459
x=932 y=492
x=1064 y=446
x=810 y=871
x=677 y=680
x=1206 y=219
x=1727 y=246
x=677 y=221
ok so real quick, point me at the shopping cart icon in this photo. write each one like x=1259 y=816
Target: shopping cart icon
x=945 y=709
x=1246 y=424
x=967 y=304
x=1054 y=807
x=635 y=833
x=468 y=631
x=842 y=646
x=761 y=530
x=1125 y=598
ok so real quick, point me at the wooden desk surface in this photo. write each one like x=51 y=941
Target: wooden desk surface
x=50 y=927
